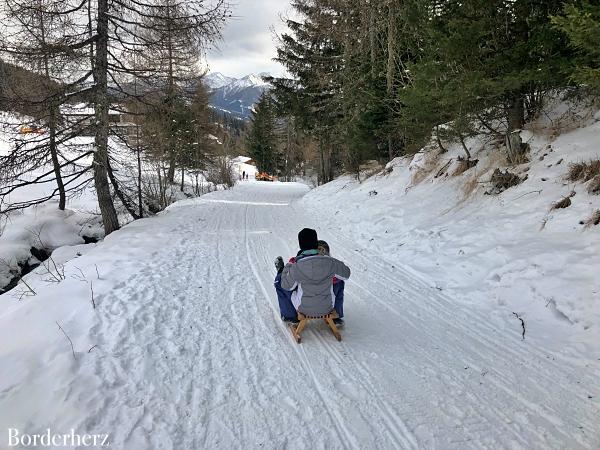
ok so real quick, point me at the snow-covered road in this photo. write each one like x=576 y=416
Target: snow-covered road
x=191 y=352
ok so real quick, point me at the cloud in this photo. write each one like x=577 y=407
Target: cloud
x=248 y=45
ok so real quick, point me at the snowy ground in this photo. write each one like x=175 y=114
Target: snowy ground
x=185 y=348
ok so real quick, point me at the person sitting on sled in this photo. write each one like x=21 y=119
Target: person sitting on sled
x=305 y=284
x=338 y=286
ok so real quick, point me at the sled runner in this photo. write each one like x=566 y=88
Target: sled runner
x=328 y=318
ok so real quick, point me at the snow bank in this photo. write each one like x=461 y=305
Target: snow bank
x=43 y=228
x=510 y=251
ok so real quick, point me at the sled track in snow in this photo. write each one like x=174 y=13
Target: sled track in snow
x=343 y=434
x=519 y=352
x=400 y=435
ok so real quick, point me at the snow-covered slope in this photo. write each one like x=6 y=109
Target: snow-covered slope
x=251 y=80
x=43 y=227
x=215 y=80
x=508 y=253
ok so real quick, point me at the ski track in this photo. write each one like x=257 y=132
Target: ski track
x=400 y=436
x=192 y=354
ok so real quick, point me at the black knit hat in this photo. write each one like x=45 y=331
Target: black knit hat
x=307 y=239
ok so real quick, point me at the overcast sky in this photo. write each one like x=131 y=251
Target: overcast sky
x=247 y=45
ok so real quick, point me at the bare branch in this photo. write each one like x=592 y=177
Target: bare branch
x=68 y=338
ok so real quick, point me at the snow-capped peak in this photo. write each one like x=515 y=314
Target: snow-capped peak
x=248 y=81
x=238 y=95
x=216 y=80
x=254 y=79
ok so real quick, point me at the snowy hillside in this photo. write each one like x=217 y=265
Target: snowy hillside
x=43 y=228
x=510 y=252
x=215 y=80
x=251 y=80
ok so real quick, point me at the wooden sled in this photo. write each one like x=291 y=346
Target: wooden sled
x=328 y=318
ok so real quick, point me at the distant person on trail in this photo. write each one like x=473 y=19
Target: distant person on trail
x=306 y=284
x=244 y=175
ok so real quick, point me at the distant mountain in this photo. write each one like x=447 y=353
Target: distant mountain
x=236 y=96
x=215 y=80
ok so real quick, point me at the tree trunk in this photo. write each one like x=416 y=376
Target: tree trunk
x=464 y=146
x=330 y=166
x=322 y=168
x=172 y=163
x=138 y=149
x=439 y=141
x=100 y=162
x=515 y=112
x=515 y=147
x=52 y=123
x=170 y=96
x=139 y=189
x=372 y=39
x=139 y=169
x=160 y=186
x=128 y=206
x=62 y=197
x=391 y=63
x=288 y=149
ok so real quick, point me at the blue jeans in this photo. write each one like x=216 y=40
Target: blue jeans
x=286 y=307
x=338 y=290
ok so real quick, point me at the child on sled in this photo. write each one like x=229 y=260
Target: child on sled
x=312 y=282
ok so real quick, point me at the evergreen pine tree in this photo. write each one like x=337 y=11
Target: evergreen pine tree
x=484 y=62
x=261 y=141
x=581 y=23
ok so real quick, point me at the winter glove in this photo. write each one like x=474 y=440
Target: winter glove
x=279 y=264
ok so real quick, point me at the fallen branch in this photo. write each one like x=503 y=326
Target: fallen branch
x=439 y=141
x=522 y=323
x=80 y=277
x=92 y=289
x=445 y=166
x=527 y=193
x=31 y=291
x=60 y=272
x=70 y=341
